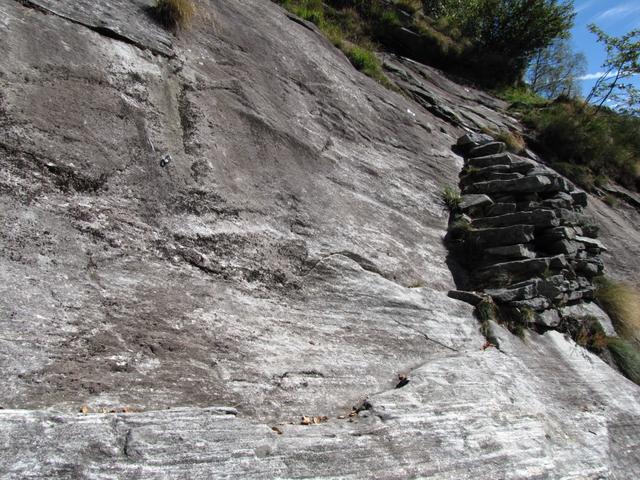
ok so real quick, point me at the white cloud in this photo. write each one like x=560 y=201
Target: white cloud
x=597 y=75
x=591 y=76
x=584 y=6
x=619 y=11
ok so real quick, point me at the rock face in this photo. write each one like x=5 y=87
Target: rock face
x=216 y=234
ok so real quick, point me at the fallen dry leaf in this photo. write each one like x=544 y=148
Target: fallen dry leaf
x=277 y=430
x=84 y=409
x=313 y=420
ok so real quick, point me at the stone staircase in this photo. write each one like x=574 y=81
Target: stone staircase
x=521 y=234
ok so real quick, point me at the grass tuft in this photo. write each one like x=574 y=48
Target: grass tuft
x=627 y=357
x=451 y=198
x=622 y=304
x=175 y=13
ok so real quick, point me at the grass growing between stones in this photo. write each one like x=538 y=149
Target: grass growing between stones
x=175 y=13
x=451 y=198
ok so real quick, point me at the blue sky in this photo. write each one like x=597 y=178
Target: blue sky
x=615 y=17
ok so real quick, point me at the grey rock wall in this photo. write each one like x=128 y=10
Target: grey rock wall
x=287 y=262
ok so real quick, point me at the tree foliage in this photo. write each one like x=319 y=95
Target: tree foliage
x=622 y=62
x=555 y=70
x=511 y=29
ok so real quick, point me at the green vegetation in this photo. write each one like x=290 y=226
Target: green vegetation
x=627 y=357
x=622 y=304
x=585 y=144
x=513 y=140
x=487 y=310
x=489 y=41
x=344 y=28
x=175 y=13
x=458 y=230
x=451 y=198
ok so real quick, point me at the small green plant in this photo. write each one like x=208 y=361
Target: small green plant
x=175 y=13
x=487 y=310
x=458 y=230
x=451 y=198
x=610 y=200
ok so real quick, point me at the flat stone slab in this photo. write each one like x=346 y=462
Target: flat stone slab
x=472 y=298
x=490 y=161
x=472 y=140
x=501 y=209
x=537 y=218
x=591 y=244
x=496 y=237
x=507 y=273
x=504 y=295
x=520 y=252
x=470 y=202
x=492 y=148
x=527 y=184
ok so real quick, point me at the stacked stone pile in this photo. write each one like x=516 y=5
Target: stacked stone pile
x=522 y=234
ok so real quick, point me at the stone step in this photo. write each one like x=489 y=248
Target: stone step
x=512 y=165
x=472 y=298
x=501 y=209
x=571 y=218
x=472 y=140
x=554 y=234
x=474 y=202
x=491 y=161
x=533 y=184
x=580 y=198
x=472 y=178
x=506 y=295
x=514 y=252
x=537 y=218
x=560 y=200
x=508 y=273
x=492 y=148
x=497 y=237
x=567 y=247
x=591 y=244
x=537 y=304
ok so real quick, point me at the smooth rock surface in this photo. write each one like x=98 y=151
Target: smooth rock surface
x=286 y=261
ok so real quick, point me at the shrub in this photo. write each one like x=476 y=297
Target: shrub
x=451 y=198
x=622 y=304
x=586 y=145
x=175 y=13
